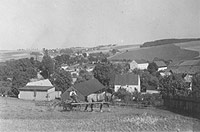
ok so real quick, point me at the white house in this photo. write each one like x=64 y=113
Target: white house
x=129 y=81
x=139 y=64
x=39 y=90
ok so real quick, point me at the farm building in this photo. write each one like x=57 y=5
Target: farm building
x=38 y=90
x=84 y=89
x=129 y=81
x=139 y=64
x=161 y=65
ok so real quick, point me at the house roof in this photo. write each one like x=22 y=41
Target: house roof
x=160 y=63
x=44 y=82
x=126 y=79
x=35 y=88
x=88 y=87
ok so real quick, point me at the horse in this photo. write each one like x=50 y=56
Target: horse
x=98 y=97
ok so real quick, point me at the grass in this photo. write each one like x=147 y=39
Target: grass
x=21 y=115
x=166 y=52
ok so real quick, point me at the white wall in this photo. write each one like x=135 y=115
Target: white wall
x=143 y=66
x=29 y=95
x=40 y=95
x=134 y=65
x=162 y=68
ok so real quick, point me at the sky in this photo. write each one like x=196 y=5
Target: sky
x=85 y=23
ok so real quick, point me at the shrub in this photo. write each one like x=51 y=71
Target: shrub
x=150 y=99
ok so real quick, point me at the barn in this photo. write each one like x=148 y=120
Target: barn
x=41 y=90
x=84 y=89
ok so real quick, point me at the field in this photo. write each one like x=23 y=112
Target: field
x=20 y=115
x=194 y=45
x=166 y=52
x=14 y=54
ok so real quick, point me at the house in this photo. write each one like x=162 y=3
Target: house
x=84 y=89
x=139 y=64
x=38 y=90
x=161 y=65
x=128 y=81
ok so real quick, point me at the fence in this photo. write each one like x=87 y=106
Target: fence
x=182 y=104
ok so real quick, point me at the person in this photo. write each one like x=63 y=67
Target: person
x=73 y=95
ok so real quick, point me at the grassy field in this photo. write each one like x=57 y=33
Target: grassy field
x=20 y=115
x=194 y=45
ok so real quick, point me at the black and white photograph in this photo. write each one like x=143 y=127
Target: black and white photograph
x=99 y=65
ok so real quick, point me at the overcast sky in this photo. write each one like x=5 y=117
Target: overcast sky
x=70 y=23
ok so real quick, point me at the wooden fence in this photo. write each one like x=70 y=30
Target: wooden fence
x=182 y=104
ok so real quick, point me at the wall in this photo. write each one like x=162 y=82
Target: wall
x=133 y=65
x=162 y=68
x=51 y=93
x=29 y=95
x=143 y=66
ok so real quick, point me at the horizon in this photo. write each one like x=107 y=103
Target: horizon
x=89 y=23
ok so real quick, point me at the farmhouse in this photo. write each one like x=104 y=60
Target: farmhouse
x=129 y=81
x=161 y=65
x=39 y=90
x=139 y=64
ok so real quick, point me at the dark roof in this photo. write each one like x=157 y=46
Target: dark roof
x=126 y=79
x=35 y=88
x=88 y=87
x=160 y=63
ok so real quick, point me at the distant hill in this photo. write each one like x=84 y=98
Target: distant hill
x=167 y=41
x=165 y=52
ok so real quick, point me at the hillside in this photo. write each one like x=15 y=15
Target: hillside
x=167 y=41
x=166 y=52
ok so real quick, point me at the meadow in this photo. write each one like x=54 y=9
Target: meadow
x=21 y=115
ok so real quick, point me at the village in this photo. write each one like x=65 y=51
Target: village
x=99 y=65
x=133 y=83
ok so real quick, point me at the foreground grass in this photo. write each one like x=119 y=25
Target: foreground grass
x=20 y=115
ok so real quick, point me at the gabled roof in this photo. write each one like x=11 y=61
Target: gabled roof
x=88 y=87
x=45 y=82
x=126 y=79
x=42 y=85
x=160 y=63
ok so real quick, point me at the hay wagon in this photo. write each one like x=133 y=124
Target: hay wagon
x=71 y=106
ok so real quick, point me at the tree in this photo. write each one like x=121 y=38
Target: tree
x=61 y=79
x=196 y=85
x=104 y=73
x=152 y=68
x=174 y=85
x=48 y=64
x=84 y=76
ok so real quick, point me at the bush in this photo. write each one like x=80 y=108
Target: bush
x=150 y=99
x=124 y=95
